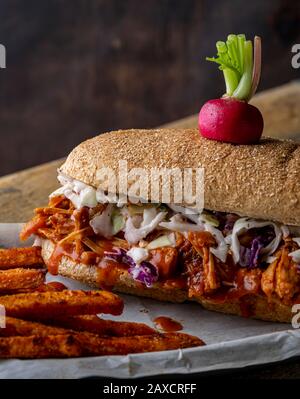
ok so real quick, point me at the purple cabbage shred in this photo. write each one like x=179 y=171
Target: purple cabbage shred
x=249 y=257
x=145 y=272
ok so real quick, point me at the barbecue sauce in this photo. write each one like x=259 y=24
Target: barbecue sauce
x=108 y=271
x=57 y=254
x=167 y=324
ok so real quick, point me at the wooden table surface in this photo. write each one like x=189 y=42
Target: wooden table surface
x=21 y=192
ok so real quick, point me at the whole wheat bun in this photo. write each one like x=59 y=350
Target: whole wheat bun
x=261 y=307
x=260 y=181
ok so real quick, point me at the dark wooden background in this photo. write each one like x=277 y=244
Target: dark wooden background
x=77 y=67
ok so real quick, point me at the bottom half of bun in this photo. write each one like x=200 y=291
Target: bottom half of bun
x=261 y=307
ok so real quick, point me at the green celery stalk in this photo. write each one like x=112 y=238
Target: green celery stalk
x=244 y=86
x=235 y=59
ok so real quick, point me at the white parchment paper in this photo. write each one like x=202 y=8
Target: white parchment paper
x=232 y=341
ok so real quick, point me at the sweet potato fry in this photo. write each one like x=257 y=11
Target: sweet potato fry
x=95 y=325
x=39 y=305
x=84 y=344
x=52 y=286
x=20 y=257
x=19 y=279
x=34 y=347
x=16 y=327
x=99 y=346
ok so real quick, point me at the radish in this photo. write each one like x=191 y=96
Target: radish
x=230 y=118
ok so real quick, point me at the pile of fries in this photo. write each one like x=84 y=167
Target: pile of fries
x=50 y=321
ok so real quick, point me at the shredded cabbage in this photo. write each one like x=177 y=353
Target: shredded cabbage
x=102 y=224
x=297 y=240
x=249 y=256
x=145 y=272
x=118 y=220
x=151 y=219
x=228 y=239
x=244 y=224
x=177 y=223
x=138 y=254
x=80 y=194
x=166 y=240
x=140 y=222
x=295 y=255
x=206 y=217
x=186 y=212
x=149 y=215
x=285 y=231
x=270 y=259
x=222 y=249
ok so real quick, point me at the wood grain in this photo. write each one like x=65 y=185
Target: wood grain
x=21 y=192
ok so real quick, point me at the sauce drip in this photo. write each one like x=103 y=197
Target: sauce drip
x=167 y=324
x=57 y=254
x=57 y=286
x=108 y=273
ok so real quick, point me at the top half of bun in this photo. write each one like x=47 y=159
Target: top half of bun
x=261 y=180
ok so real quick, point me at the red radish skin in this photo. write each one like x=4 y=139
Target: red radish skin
x=230 y=120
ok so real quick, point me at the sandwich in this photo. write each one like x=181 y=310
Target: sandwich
x=239 y=253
